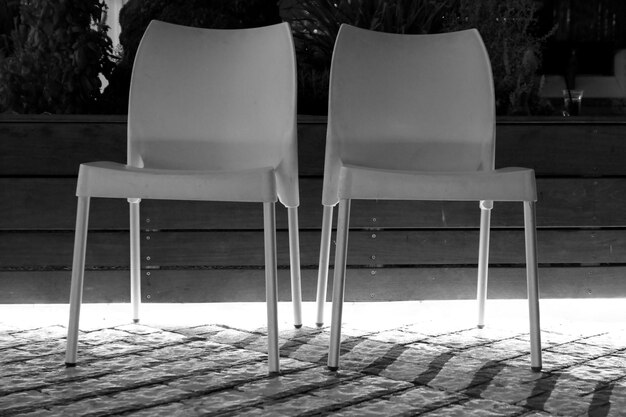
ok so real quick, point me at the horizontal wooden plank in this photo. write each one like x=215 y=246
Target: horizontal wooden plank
x=53 y=250
x=57 y=149
x=33 y=287
x=375 y=248
x=49 y=204
x=397 y=284
x=55 y=146
x=563 y=149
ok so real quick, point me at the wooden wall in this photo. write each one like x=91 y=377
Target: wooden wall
x=204 y=252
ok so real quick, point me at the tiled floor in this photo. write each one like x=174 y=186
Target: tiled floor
x=408 y=358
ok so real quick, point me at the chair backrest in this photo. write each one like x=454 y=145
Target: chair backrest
x=208 y=99
x=410 y=102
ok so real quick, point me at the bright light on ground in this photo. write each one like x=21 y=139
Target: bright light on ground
x=568 y=315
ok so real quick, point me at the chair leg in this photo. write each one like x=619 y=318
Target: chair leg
x=322 y=275
x=135 y=258
x=78 y=273
x=271 y=287
x=483 y=259
x=533 y=285
x=339 y=281
x=294 y=261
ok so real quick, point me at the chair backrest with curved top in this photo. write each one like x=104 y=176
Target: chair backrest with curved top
x=414 y=102
x=208 y=99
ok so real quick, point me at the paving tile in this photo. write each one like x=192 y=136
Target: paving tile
x=493 y=333
x=550 y=338
x=581 y=350
x=108 y=350
x=459 y=373
x=157 y=338
x=603 y=369
x=23 y=400
x=615 y=340
x=95 y=406
x=44 y=333
x=146 y=397
x=303 y=334
x=15 y=383
x=9 y=341
x=458 y=340
x=259 y=344
x=259 y=412
x=551 y=361
x=479 y=408
x=42 y=412
x=561 y=395
x=377 y=407
x=179 y=352
x=204 y=330
x=323 y=338
x=422 y=351
x=221 y=401
x=321 y=376
x=311 y=353
x=15 y=355
x=169 y=410
x=78 y=389
x=234 y=337
x=426 y=398
x=361 y=389
x=137 y=328
x=211 y=381
x=489 y=352
x=103 y=336
x=277 y=387
x=297 y=405
x=397 y=336
x=513 y=385
x=44 y=348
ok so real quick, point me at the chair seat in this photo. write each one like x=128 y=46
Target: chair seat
x=506 y=184
x=115 y=180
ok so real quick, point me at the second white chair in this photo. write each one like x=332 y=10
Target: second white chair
x=412 y=117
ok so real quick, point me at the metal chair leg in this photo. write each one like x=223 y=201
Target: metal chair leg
x=483 y=260
x=322 y=275
x=78 y=273
x=271 y=287
x=533 y=285
x=135 y=257
x=339 y=281
x=294 y=261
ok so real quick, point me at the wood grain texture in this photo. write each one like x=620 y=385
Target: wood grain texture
x=55 y=146
x=206 y=252
x=49 y=204
x=53 y=250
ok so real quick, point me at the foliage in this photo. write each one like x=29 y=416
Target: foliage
x=507 y=28
x=315 y=25
x=218 y=14
x=58 y=51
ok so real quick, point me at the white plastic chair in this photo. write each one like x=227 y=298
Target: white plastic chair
x=212 y=116
x=411 y=117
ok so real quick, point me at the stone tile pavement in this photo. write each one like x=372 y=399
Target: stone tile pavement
x=398 y=359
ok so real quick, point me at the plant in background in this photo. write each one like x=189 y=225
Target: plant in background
x=507 y=28
x=315 y=25
x=59 y=50
x=218 y=14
